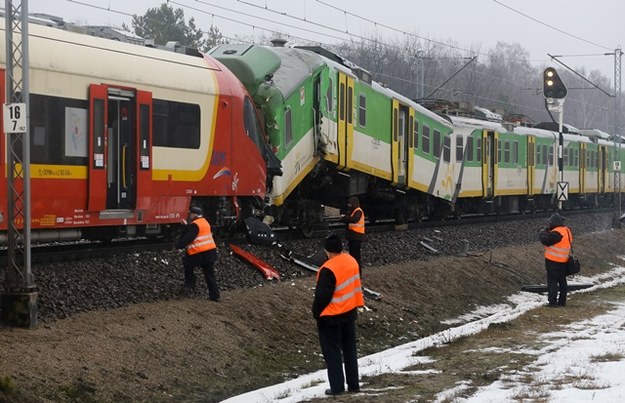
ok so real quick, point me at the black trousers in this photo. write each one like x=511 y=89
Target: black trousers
x=556 y=283
x=354 y=251
x=338 y=344
x=208 y=267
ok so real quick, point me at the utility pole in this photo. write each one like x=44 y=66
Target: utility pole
x=18 y=304
x=420 y=74
x=616 y=200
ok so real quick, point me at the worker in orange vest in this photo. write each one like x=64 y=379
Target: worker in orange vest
x=338 y=295
x=201 y=251
x=557 y=239
x=355 y=234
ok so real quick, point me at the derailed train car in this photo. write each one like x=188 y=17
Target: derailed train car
x=339 y=134
x=124 y=139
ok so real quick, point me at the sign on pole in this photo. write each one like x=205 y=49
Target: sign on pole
x=563 y=191
x=14 y=118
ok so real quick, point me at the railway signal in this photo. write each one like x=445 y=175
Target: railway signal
x=553 y=87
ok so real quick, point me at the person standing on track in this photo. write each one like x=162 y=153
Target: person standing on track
x=355 y=234
x=201 y=251
x=557 y=239
x=338 y=295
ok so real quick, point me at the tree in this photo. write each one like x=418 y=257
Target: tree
x=214 y=37
x=166 y=24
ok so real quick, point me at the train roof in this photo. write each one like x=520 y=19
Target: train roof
x=255 y=64
x=595 y=133
x=110 y=61
x=544 y=133
x=476 y=123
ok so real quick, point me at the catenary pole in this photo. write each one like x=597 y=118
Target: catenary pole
x=18 y=304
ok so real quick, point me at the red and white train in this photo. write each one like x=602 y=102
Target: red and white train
x=124 y=139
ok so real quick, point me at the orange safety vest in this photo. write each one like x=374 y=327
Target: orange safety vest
x=204 y=240
x=348 y=290
x=360 y=225
x=559 y=252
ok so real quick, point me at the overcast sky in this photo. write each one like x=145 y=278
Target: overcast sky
x=579 y=27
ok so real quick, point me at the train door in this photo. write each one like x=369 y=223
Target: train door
x=316 y=113
x=602 y=168
x=489 y=163
x=399 y=144
x=411 y=145
x=120 y=169
x=531 y=164
x=120 y=143
x=345 y=119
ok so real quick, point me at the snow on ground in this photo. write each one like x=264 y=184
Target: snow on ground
x=571 y=361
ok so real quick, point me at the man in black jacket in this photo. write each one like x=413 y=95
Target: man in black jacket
x=557 y=239
x=338 y=295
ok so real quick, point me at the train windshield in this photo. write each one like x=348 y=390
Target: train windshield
x=252 y=124
x=255 y=132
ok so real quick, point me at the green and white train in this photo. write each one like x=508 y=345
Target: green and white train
x=340 y=134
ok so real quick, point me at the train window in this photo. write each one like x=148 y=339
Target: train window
x=469 y=149
x=506 y=152
x=144 y=119
x=446 y=149
x=588 y=159
x=538 y=153
x=459 y=147
x=362 y=110
x=498 y=151
x=350 y=105
x=288 y=127
x=565 y=157
x=436 y=146
x=478 y=151
x=515 y=152
x=329 y=97
x=59 y=130
x=342 y=101
x=252 y=124
x=547 y=158
x=175 y=124
x=411 y=131
x=416 y=134
x=395 y=124
x=426 y=139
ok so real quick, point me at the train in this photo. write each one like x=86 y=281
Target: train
x=338 y=133
x=124 y=139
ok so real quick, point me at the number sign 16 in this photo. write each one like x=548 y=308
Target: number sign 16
x=14 y=118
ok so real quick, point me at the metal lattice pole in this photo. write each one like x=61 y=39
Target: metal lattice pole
x=19 y=302
x=616 y=201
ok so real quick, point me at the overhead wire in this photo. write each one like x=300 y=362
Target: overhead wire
x=307 y=30
x=550 y=26
x=377 y=23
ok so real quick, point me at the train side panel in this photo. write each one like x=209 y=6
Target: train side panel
x=125 y=135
